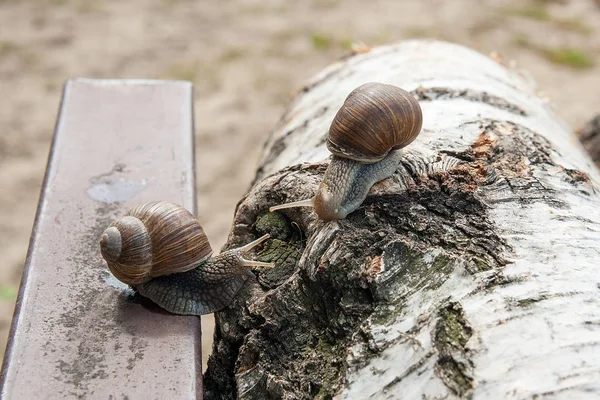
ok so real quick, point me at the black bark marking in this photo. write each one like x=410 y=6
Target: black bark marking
x=575 y=177
x=443 y=93
x=412 y=369
x=280 y=144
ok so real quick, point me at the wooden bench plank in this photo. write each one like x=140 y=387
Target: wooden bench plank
x=76 y=332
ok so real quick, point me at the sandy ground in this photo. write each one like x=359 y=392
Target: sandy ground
x=246 y=59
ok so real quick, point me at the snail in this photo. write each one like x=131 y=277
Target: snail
x=365 y=137
x=160 y=249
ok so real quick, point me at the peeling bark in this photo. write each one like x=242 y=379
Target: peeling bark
x=473 y=272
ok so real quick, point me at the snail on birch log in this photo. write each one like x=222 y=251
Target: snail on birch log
x=365 y=138
x=160 y=249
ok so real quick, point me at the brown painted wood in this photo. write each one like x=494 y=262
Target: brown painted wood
x=77 y=332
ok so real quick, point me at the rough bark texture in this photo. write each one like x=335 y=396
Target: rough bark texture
x=473 y=272
x=589 y=135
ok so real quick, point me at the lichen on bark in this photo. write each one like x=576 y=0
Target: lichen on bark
x=452 y=332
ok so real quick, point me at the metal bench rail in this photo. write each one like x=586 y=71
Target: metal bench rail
x=76 y=333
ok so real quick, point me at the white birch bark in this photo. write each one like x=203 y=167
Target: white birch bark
x=500 y=303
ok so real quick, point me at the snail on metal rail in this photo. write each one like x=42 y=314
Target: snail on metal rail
x=365 y=138
x=160 y=249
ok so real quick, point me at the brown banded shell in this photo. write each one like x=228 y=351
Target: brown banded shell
x=154 y=239
x=374 y=119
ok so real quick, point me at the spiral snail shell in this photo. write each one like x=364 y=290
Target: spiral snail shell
x=374 y=119
x=160 y=249
x=365 y=138
x=154 y=239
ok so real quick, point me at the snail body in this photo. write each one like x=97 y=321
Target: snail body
x=365 y=138
x=160 y=249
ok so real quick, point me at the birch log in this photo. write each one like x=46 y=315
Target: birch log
x=473 y=272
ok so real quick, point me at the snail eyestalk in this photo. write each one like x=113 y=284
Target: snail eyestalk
x=251 y=263
x=299 y=203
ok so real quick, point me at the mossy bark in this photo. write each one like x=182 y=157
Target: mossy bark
x=464 y=271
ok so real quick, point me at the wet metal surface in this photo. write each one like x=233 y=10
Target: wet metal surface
x=78 y=332
x=115 y=191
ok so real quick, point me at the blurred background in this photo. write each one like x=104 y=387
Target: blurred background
x=246 y=59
